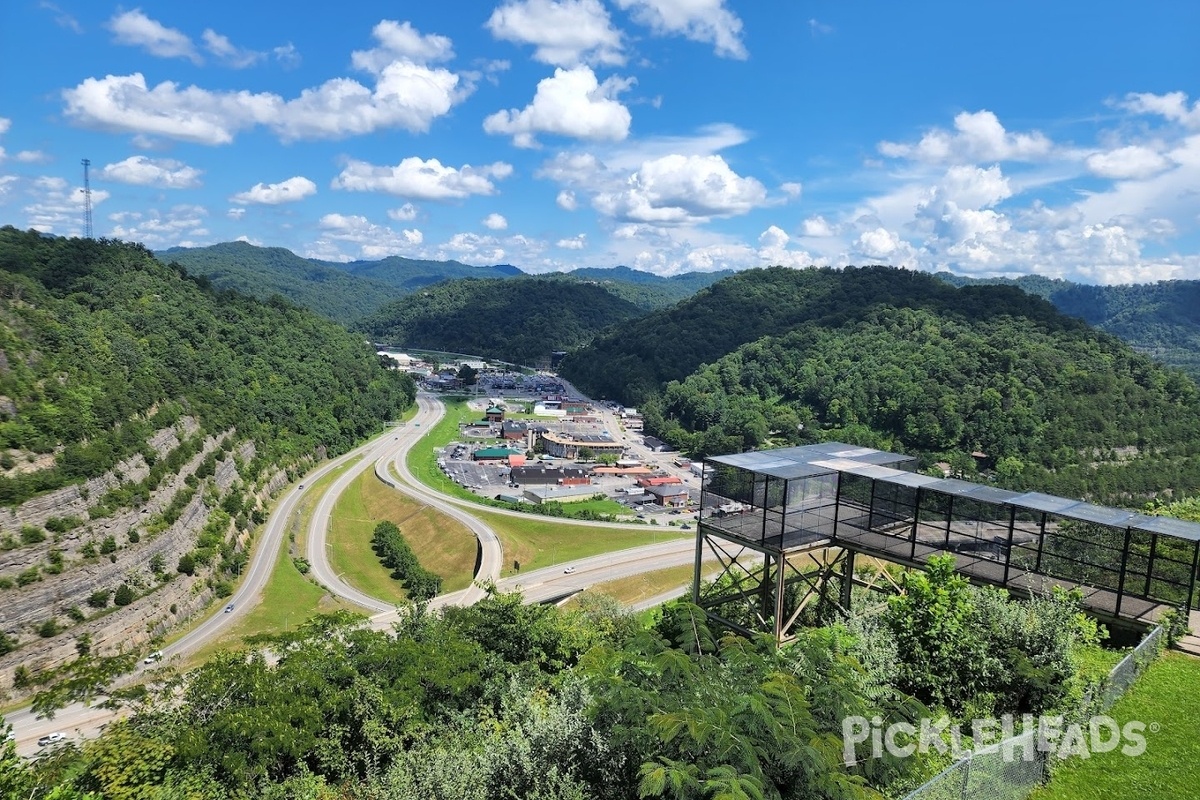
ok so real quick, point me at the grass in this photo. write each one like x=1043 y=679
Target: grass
x=442 y=545
x=538 y=542
x=637 y=588
x=1167 y=699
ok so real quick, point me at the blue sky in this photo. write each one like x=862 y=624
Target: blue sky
x=1060 y=139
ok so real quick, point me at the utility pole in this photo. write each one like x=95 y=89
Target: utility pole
x=87 y=200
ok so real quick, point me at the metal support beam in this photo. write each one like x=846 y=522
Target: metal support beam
x=1037 y=564
x=1012 y=523
x=912 y=555
x=1124 y=564
x=1195 y=568
x=1150 y=563
x=847 y=579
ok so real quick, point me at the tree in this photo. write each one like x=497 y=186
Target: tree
x=468 y=375
x=124 y=595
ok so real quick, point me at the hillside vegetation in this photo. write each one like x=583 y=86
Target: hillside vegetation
x=519 y=320
x=898 y=360
x=145 y=421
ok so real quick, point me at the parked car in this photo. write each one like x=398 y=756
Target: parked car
x=153 y=658
x=51 y=738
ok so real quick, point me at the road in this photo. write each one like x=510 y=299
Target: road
x=387 y=455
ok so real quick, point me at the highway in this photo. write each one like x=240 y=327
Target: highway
x=387 y=455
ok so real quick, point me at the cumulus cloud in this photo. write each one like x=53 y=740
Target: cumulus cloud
x=791 y=189
x=30 y=156
x=401 y=41
x=495 y=222
x=272 y=194
x=1171 y=106
x=165 y=173
x=1131 y=161
x=367 y=240
x=57 y=206
x=178 y=226
x=405 y=213
x=565 y=33
x=977 y=136
x=679 y=189
x=705 y=21
x=573 y=243
x=566 y=200
x=137 y=30
x=422 y=180
x=406 y=94
x=816 y=227
x=571 y=103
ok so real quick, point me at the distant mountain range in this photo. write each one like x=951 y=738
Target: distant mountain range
x=1161 y=320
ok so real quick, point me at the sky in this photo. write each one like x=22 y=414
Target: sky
x=986 y=139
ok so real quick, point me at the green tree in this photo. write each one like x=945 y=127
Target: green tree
x=124 y=595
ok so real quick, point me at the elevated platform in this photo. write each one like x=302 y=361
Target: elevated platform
x=1130 y=567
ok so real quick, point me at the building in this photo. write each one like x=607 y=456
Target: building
x=496 y=454
x=672 y=495
x=658 y=480
x=563 y=445
x=575 y=407
x=513 y=431
x=541 y=475
x=654 y=444
x=494 y=414
x=559 y=494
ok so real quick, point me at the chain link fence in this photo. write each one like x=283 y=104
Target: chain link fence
x=1013 y=768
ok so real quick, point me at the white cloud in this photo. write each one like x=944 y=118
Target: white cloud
x=136 y=29
x=1131 y=161
x=228 y=53
x=142 y=171
x=566 y=200
x=699 y=20
x=679 y=189
x=62 y=18
x=287 y=55
x=57 y=206
x=422 y=180
x=773 y=249
x=1172 y=106
x=30 y=157
x=571 y=103
x=405 y=213
x=178 y=226
x=5 y=124
x=565 y=33
x=816 y=227
x=272 y=194
x=370 y=241
x=495 y=222
x=236 y=213
x=573 y=243
x=818 y=28
x=792 y=189
x=973 y=187
x=401 y=41
x=977 y=136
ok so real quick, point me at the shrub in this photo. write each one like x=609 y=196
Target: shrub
x=32 y=535
x=99 y=598
x=302 y=565
x=7 y=583
x=109 y=545
x=157 y=563
x=29 y=576
x=187 y=564
x=174 y=609
x=63 y=524
x=76 y=613
x=21 y=677
x=7 y=644
x=49 y=628
x=134 y=537
x=124 y=595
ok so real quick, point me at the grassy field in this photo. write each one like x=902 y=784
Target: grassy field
x=443 y=545
x=1167 y=699
x=637 y=588
x=541 y=542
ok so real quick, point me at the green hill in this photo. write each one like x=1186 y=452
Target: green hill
x=522 y=320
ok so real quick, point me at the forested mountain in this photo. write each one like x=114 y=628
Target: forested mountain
x=901 y=361
x=264 y=272
x=644 y=289
x=1159 y=319
x=145 y=422
x=522 y=320
x=409 y=275
x=637 y=360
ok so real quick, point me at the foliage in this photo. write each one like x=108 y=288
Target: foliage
x=395 y=554
x=521 y=320
x=105 y=344
x=124 y=595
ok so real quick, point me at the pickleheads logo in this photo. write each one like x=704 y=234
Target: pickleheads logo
x=1016 y=738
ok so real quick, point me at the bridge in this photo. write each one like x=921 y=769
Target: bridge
x=808 y=513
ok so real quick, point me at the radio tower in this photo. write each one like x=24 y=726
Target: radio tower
x=87 y=200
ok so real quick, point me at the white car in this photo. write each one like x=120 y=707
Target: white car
x=51 y=738
x=568 y=570
x=153 y=658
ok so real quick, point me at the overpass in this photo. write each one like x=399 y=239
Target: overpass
x=811 y=511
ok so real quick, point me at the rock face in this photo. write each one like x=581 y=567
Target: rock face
x=164 y=598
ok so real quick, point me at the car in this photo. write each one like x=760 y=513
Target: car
x=686 y=527
x=153 y=658
x=229 y=608
x=51 y=738
x=568 y=570
x=302 y=486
